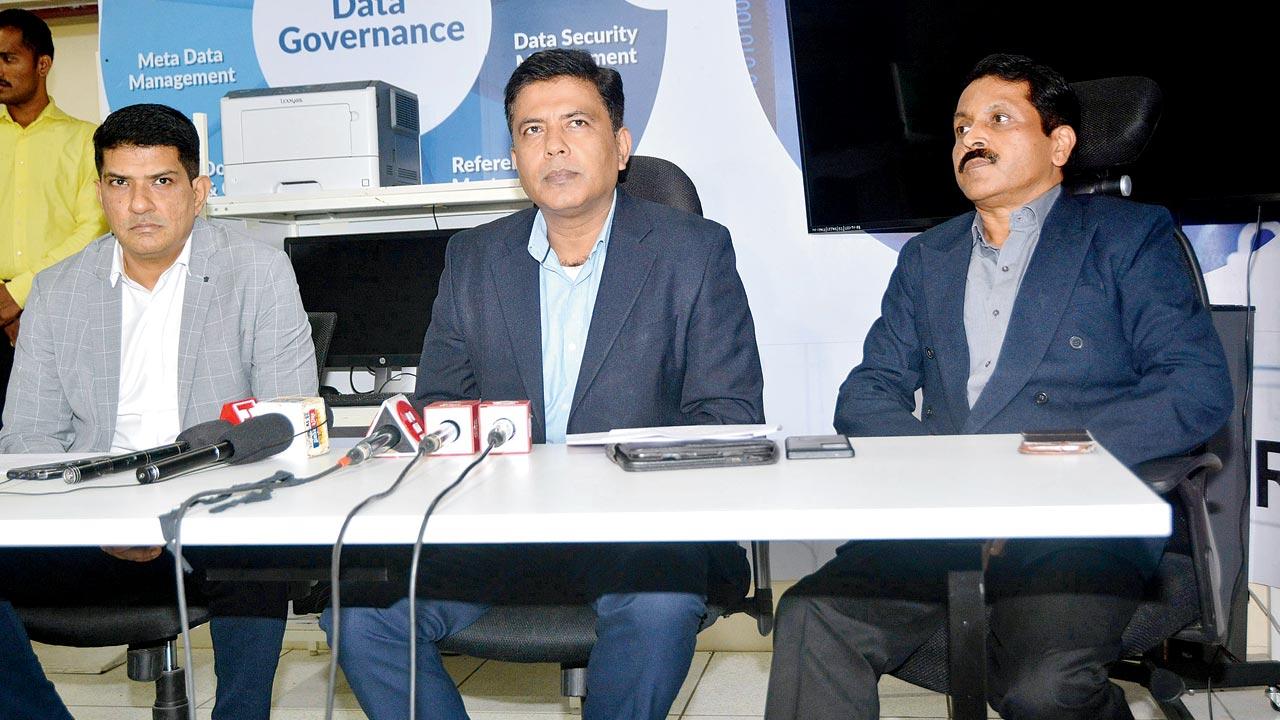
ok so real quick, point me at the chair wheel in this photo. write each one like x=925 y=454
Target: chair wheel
x=1273 y=697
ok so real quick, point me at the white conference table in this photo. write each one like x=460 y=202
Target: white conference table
x=895 y=488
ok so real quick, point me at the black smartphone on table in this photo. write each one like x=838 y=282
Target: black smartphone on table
x=818 y=446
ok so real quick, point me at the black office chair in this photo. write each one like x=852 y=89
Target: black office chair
x=1197 y=590
x=150 y=631
x=565 y=634
x=322 y=327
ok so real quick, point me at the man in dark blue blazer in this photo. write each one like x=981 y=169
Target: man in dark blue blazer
x=1039 y=311
x=605 y=311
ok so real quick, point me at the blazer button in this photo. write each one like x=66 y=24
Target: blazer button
x=928 y=412
x=928 y=352
x=1042 y=398
x=1076 y=342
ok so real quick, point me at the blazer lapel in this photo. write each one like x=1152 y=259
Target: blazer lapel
x=626 y=269
x=516 y=280
x=1042 y=300
x=945 y=273
x=103 y=338
x=202 y=279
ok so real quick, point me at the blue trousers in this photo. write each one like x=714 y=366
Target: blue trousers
x=25 y=693
x=644 y=646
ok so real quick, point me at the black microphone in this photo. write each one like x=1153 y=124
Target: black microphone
x=502 y=431
x=389 y=435
x=254 y=439
x=205 y=433
x=382 y=437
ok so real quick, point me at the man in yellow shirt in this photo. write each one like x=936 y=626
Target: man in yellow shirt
x=48 y=209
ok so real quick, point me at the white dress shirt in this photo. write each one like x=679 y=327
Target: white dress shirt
x=151 y=320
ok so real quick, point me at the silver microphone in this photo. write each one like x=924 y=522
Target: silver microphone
x=438 y=438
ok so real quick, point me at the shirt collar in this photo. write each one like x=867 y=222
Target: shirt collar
x=117 y=261
x=50 y=112
x=1028 y=218
x=540 y=246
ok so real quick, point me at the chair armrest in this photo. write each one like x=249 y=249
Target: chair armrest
x=1185 y=476
x=1163 y=475
x=762 y=600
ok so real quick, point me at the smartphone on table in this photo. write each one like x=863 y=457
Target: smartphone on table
x=1059 y=442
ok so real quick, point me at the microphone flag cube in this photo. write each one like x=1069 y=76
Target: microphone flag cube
x=311 y=433
x=398 y=411
x=237 y=411
x=466 y=413
x=517 y=411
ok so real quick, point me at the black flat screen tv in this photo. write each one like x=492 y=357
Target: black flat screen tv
x=877 y=81
x=381 y=285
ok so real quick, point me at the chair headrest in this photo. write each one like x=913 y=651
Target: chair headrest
x=660 y=181
x=1118 y=116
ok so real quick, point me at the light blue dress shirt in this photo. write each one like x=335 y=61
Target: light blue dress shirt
x=567 y=304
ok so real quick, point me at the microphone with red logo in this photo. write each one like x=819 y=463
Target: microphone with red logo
x=398 y=430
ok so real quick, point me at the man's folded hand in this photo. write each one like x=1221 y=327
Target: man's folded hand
x=9 y=308
x=134 y=553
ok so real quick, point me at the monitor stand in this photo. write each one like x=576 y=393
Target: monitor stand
x=381 y=376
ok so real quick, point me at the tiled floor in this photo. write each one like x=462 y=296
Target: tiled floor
x=720 y=686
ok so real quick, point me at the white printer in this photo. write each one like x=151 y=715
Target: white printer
x=319 y=137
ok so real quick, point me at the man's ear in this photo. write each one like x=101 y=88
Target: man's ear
x=201 y=186
x=1064 y=141
x=623 y=140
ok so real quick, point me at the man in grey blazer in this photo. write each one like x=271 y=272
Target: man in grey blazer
x=147 y=331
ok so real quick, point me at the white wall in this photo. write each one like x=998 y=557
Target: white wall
x=73 y=82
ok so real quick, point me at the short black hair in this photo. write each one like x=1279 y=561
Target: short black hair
x=1048 y=90
x=149 y=125
x=557 y=63
x=35 y=31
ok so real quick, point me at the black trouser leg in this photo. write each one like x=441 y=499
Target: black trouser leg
x=860 y=616
x=1055 y=625
x=1057 y=617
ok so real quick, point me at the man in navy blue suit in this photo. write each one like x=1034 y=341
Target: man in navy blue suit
x=605 y=311
x=1038 y=311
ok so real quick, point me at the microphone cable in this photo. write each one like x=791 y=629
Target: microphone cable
x=181 y=567
x=335 y=594
x=500 y=433
x=335 y=600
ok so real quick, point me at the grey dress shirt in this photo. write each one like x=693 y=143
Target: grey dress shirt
x=995 y=275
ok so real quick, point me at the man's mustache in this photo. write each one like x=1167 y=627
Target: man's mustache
x=983 y=153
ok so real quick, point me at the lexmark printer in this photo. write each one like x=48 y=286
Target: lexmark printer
x=319 y=137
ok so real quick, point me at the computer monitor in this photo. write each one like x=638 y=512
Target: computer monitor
x=877 y=84
x=381 y=285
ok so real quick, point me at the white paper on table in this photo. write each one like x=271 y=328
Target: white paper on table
x=673 y=432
